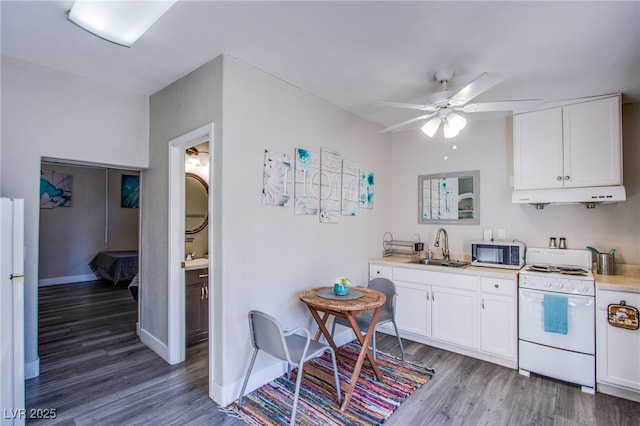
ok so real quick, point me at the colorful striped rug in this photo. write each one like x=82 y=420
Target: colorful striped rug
x=371 y=404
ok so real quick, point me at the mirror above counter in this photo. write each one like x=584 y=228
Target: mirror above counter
x=196 y=204
x=452 y=198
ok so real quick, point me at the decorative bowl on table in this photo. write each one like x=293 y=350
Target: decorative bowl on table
x=341 y=286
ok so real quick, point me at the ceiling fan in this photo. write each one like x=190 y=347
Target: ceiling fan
x=444 y=106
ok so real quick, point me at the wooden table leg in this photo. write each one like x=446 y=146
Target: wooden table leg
x=322 y=328
x=364 y=352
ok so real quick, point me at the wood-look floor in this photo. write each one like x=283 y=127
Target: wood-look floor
x=94 y=370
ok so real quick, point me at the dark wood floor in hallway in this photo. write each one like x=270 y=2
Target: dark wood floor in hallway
x=95 y=371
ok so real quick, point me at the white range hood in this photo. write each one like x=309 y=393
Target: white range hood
x=588 y=196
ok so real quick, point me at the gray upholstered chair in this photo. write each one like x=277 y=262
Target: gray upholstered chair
x=267 y=335
x=387 y=312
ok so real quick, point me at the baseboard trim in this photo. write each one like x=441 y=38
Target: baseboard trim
x=154 y=344
x=66 y=280
x=225 y=395
x=32 y=369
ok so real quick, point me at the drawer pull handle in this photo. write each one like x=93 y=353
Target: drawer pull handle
x=203 y=276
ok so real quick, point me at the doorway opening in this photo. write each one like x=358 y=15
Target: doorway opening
x=176 y=345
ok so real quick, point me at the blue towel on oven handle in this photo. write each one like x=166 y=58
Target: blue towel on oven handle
x=555 y=314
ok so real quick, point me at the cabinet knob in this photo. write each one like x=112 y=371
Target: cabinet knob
x=566 y=177
x=559 y=178
x=496 y=285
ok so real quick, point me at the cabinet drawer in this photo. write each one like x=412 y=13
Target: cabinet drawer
x=501 y=286
x=379 y=271
x=605 y=298
x=196 y=276
x=445 y=279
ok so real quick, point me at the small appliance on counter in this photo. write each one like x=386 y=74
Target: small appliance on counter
x=498 y=254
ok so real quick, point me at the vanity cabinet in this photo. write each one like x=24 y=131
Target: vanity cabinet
x=197 y=305
x=617 y=349
x=498 y=316
x=575 y=145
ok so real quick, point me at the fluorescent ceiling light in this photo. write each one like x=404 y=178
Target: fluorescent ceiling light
x=120 y=22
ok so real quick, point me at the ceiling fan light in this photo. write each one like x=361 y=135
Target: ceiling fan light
x=457 y=121
x=120 y=22
x=450 y=131
x=431 y=126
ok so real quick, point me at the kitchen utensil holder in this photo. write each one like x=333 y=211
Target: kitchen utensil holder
x=393 y=247
x=605 y=264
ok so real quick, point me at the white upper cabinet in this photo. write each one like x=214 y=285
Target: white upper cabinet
x=576 y=145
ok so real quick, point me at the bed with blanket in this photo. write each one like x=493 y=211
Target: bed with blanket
x=115 y=266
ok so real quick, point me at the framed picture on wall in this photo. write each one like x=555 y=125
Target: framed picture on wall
x=55 y=189
x=129 y=191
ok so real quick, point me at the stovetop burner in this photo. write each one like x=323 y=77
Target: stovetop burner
x=564 y=270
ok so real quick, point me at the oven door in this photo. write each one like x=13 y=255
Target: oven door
x=580 y=335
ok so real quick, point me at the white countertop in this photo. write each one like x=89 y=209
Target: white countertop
x=469 y=270
x=627 y=277
x=200 y=263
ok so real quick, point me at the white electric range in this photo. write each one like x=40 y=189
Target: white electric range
x=556 y=316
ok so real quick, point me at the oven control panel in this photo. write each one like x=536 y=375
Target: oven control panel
x=557 y=284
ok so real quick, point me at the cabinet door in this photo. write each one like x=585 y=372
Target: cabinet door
x=592 y=143
x=413 y=312
x=618 y=349
x=498 y=325
x=498 y=316
x=537 y=149
x=454 y=316
x=195 y=297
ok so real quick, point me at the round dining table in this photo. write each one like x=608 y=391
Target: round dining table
x=323 y=304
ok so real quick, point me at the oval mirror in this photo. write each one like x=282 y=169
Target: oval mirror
x=196 y=204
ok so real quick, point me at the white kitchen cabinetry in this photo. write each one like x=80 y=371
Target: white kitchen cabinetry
x=378 y=271
x=498 y=316
x=576 y=145
x=453 y=315
x=472 y=313
x=617 y=349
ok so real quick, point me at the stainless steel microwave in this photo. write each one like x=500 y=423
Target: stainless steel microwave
x=498 y=254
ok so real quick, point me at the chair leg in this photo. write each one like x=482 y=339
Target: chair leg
x=375 y=351
x=297 y=392
x=398 y=337
x=246 y=378
x=335 y=373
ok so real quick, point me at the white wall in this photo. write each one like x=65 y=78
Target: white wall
x=487 y=145
x=270 y=255
x=48 y=113
x=263 y=255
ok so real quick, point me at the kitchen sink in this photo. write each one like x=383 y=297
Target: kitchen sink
x=441 y=262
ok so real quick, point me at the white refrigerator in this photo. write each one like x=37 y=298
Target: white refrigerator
x=12 y=400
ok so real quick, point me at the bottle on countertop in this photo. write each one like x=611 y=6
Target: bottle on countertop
x=430 y=254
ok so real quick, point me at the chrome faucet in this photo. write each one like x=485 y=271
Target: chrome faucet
x=445 y=246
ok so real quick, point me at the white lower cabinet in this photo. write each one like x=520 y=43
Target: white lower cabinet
x=453 y=316
x=617 y=349
x=498 y=316
x=471 y=314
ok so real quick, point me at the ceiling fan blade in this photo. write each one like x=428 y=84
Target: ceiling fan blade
x=477 y=87
x=406 y=123
x=523 y=105
x=403 y=105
